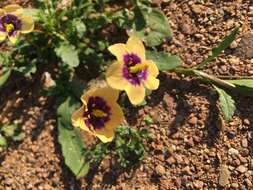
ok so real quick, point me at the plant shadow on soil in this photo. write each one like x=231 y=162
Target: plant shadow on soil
x=179 y=89
x=29 y=92
x=168 y=86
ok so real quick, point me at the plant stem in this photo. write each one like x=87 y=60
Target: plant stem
x=210 y=78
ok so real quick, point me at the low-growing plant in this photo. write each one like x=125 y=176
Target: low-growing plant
x=10 y=133
x=73 y=38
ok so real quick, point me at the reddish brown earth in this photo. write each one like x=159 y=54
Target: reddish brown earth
x=191 y=147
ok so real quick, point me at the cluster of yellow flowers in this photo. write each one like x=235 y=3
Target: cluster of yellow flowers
x=100 y=113
x=13 y=22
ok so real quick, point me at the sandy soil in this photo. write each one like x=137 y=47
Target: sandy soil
x=191 y=147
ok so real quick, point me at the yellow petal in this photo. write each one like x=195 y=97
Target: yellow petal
x=27 y=24
x=152 y=68
x=114 y=76
x=107 y=93
x=2 y=36
x=152 y=83
x=14 y=9
x=14 y=39
x=119 y=50
x=135 y=93
x=2 y=12
x=136 y=46
x=78 y=120
x=116 y=118
x=105 y=135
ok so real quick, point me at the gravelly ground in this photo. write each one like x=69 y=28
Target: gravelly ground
x=192 y=147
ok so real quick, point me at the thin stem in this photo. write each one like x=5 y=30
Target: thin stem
x=211 y=79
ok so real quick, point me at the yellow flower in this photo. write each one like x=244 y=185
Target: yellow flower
x=13 y=22
x=132 y=72
x=100 y=113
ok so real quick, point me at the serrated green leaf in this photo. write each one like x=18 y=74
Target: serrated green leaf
x=222 y=46
x=68 y=54
x=163 y=60
x=227 y=104
x=4 y=77
x=151 y=26
x=71 y=143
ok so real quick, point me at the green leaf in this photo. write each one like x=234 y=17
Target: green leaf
x=68 y=54
x=247 y=83
x=227 y=104
x=80 y=27
x=66 y=109
x=97 y=22
x=148 y=120
x=122 y=18
x=243 y=85
x=72 y=149
x=9 y=130
x=71 y=143
x=222 y=46
x=4 y=77
x=3 y=141
x=151 y=26
x=163 y=60
x=19 y=136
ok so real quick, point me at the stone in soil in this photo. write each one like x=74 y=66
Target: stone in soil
x=245 y=47
x=224 y=176
x=242 y=169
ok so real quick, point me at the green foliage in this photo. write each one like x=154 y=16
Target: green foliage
x=151 y=25
x=222 y=46
x=10 y=133
x=68 y=54
x=243 y=84
x=163 y=60
x=3 y=141
x=227 y=103
x=129 y=145
x=97 y=153
x=72 y=37
x=148 y=120
x=72 y=146
x=4 y=76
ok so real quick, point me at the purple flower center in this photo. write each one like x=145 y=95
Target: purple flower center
x=133 y=70
x=97 y=113
x=10 y=24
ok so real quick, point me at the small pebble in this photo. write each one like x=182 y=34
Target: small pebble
x=224 y=176
x=160 y=170
x=193 y=120
x=242 y=169
x=233 y=151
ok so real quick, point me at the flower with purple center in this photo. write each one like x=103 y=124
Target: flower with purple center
x=130 y=61
x=100 y=113
x=132 y=72
x=13 y=22
x=96 y=113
